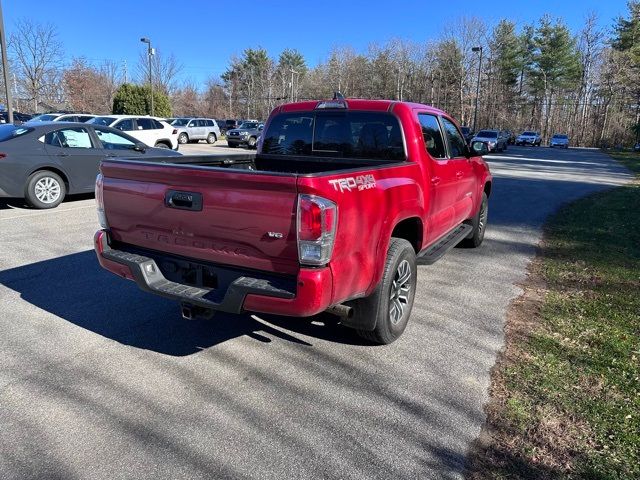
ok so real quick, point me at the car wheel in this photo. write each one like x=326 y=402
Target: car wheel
x=392 y=300
x=505 y=147
x=479 y=224
x=183 y=138
x=45 y=189
x=211 y=138
x=231 y=145
x=161 y=145
x=252 y=142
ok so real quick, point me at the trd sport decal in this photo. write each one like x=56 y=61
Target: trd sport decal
x=361 y=182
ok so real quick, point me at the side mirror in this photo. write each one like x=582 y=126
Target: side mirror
x=139 y=147
x=479 y=148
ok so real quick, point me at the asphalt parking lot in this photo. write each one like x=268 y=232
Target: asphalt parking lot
x=101 y=380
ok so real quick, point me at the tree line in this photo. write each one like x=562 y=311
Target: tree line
x=540 y=76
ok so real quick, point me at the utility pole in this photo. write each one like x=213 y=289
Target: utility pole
x=293 y=72
x=475 y=112
x=150 y=53
x=126 y=73
x=5 y=68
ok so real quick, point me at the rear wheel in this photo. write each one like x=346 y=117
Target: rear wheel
x=211 y=138
x=183 y=138
x=45 y=189
x=392 y=300
x=162 y=145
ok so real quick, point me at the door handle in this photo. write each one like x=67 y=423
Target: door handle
x=435 y=180
x=62 y=154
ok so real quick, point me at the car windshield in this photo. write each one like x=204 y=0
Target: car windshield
x=102 y=121
x=180 y=122
x=529 y=134
x=560 y=137
x=7 y=132
x=249 y=125
x=487 y=134
x=372 y=135
x=46 y=117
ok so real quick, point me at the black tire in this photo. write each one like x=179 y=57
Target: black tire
x=231 y=145
x=391 y=318
x=504 y=149
x=211 y=138
x=183 y=138
x=479 y=224
x=251 y=143
x=162 y=145
x=42 y=186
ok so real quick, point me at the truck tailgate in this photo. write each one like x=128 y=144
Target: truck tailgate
x=244 y=219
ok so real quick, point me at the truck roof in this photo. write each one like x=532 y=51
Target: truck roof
x=357 y=104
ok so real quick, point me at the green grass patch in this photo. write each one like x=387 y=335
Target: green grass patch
x=568 y=390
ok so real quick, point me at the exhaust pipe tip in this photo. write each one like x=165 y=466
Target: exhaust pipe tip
x=187 y=312
x=342 y=311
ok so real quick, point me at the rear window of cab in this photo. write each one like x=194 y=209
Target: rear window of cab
x=351 y=134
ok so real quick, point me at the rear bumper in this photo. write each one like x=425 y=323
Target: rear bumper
x=238 y=291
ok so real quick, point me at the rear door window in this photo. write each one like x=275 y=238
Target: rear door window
x=372 y=135
x=68 y=138
x=432 y=135
x=125 y=125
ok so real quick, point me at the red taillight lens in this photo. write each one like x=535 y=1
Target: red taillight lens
x=317 y=222
x=310 y=227
x=3 y=155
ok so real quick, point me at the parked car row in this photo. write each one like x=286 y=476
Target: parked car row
x=43 y=161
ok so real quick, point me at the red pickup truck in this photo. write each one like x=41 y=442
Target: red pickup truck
x=331 y=214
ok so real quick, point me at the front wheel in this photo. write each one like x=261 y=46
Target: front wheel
x=391 y=302
x=479 y=224
x=231 y=145
x=44 y=189
x=252 y=142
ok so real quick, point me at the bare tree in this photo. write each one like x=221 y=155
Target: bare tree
x=165 y=70
x=37 y=56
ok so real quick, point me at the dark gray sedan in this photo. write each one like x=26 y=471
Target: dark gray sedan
x=44 y=162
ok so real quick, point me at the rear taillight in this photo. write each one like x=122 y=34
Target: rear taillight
x=102 y=218
x=317 y=222
x=3 y=155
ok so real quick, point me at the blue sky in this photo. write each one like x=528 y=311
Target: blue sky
x=204 y=34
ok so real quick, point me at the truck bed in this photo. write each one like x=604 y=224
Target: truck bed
x=272 y=164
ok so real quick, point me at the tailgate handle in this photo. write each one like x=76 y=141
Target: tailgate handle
x=183 y=200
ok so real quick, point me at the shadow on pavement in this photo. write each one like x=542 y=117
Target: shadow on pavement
x=75 y=288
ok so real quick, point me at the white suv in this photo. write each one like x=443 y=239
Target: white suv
x=149 y=130
x=196 y=129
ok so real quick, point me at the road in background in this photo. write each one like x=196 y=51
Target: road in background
x=98 y=379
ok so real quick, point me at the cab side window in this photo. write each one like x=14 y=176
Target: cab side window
x=456 y=142
x=432 y=135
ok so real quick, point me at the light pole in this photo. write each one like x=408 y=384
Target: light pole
x=5 y=69
x=475 y=113
x=150 y=52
